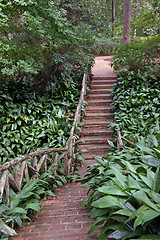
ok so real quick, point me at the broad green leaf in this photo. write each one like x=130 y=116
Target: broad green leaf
x=135 y=213
x=154 y=196
x=18 y=221
x=112 y=190
x=3 y=208
x=144 y=148
x=124 y=212
x=118 y=234
x=34 y=206
x=50 y=193
x=142 y=197
x=156 y=187
x=120 y=177
x=6 y=229
x=150 y=160
x=16 y=210
x=97 y=212
x=97 y=223
x=129 y=166
x=132 y=183
x=145 y=216
x=110 y=143
x=106 y=202
x=147 y=181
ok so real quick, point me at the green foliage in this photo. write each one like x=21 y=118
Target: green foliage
x=103 y=45
x=36 y=39
x=124 y=203
x=136 y=104
x=142 y=55
x=124 y=185
x=29 y=121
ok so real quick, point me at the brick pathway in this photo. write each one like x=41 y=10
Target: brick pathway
x=63 y=217
x=60 y=218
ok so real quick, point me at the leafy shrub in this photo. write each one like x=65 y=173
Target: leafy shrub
x=125 y=202
x=30 y=121
x=103 y=45
x=136 y=103
x=124 y=185
x=140 y=55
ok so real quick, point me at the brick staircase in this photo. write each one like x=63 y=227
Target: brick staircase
x=98 y=116
x=63 y=218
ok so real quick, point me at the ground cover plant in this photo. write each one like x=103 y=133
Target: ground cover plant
x=124 y=185
x=31 y=121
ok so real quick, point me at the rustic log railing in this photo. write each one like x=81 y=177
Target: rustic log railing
x=29 y=165
x=120 y=142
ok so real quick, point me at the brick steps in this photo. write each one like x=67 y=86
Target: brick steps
x=101 y=86
x=101 y=82
x=92 y=139
x=104 y=77
x=96 y=132
x=100 y=91
x=97 y=117
x=98 y=109
x=100 y=96
x=100 y=115
x=100 y=102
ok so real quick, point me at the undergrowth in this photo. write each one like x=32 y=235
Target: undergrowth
x=31 y=121
x=124 y=186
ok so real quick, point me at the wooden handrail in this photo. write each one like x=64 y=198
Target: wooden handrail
x=28 y=156
x=120 y=142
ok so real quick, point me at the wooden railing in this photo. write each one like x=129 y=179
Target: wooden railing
x=120 y=142
x=29 y=165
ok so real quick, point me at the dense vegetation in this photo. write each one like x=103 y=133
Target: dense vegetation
x=125 y=183
x=45 y=46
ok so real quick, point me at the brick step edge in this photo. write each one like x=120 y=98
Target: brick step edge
x=98 y=132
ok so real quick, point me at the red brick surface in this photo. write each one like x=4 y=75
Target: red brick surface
x=60 y=218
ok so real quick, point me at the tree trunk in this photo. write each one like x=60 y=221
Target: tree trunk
x=113 y=16
x=126 y=21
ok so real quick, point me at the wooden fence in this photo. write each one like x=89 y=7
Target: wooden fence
x=28 y=166
x=120 y=142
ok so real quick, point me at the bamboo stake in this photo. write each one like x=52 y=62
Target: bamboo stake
x=55 y=161
x=2 y=183
x=119 y=141
x=13 y=183
x=35 y=162
x=45 y=165
x=33 y=171
x=26 y=174
x=61 y=156
x=66 y=163
x=60 y=172
x=41 y=162
x=50 y=160
x=18 y=171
